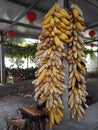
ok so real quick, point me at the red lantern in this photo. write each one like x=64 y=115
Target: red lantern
x=31 y=16
x=25 y=56
x=92 y=44
x=10 y=33
x=92 y=33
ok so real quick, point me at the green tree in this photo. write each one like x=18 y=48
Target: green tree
x=14 y=40
x=16 y=47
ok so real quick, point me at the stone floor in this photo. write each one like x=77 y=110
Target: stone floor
x=10 y=104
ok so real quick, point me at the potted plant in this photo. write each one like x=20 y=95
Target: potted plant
x=16 y=75
x=16 y=71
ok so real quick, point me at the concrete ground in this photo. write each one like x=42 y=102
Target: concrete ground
x=10 y=104
x=92 y=88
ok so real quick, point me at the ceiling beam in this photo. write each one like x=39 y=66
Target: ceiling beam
x=91 y=26
x=87 y=5
x=21 y=15
x=26 y=35
x=20 y=24
x=26 y=5
x=93 y=2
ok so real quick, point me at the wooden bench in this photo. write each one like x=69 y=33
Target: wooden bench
x=36 y=117
x=16 y=124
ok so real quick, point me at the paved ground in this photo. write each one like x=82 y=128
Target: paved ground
x=92 y=88
x=10 y=104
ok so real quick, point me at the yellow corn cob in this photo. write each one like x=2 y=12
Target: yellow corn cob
x=50 y=29
x=65 y=13
x=57 y=40
x=53 y=33
x=56 y=31
x=55 y=101
x=81 y=87
x=51 y=39
x=50 y=124
x=78 y=60
x=63 y=55
x=63 y=37
x=81 y=67
x=61 y=106
x=56 y=20
x=79 y=26
x=80 y=18
x=42 y=75
x=80 y=40
x=39 y=53
x=57 y=119
x=45 y=33
x=79 y=54
x=71 y=20
x=49 y=50
x=73 y=81
x=52 y=22
x=50 y=12
x=58 y=26
x=55 y=90
x=78 y=9
x=62 y=30
x=54 y=71
x=75 y=13
x=46 y=26
x=46 y=21
x=69 y=40
x=58 y=15
x=65 y=21
x=52 y=116
x=52 y=54
x=77 y=75
x=41 y=85
x=75 y=91
x=69 y=57
x=74 y=49
x=53 y=63
x=47 y=40
x=49 y=72
x=55 y=80
x=60 y=113
x=63 y=25
x=68 y=32
x=62 y=45
x=57 y=7
x=59 y=100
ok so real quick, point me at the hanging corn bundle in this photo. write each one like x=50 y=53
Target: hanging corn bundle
x=77 y=88
x=49 y=82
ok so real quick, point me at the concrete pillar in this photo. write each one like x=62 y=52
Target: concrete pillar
x=61 y=3
x=64 y=123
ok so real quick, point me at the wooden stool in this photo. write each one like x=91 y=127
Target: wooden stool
x=16 y=124
x=37 y=118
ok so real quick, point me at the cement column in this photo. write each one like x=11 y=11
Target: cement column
x=64 y=123
x=2 y=61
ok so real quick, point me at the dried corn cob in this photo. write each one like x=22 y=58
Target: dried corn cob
x=77 y=89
